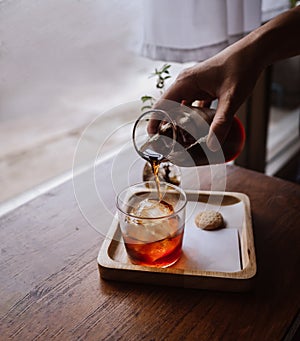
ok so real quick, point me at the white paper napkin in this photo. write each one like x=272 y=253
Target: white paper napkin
x=216 y=250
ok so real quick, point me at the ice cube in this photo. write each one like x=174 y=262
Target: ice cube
x=150 y=230
x=147 y=232
x=150 y=208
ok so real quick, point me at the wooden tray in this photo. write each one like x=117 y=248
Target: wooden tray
x=190 y=271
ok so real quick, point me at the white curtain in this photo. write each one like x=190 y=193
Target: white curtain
x=194 y=30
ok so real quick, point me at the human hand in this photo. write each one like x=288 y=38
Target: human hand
x=229 y=76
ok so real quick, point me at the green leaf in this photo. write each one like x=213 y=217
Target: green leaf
x=165 y=68
x=146 y=98
x=146 y=107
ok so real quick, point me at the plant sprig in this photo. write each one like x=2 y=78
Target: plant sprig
x=161 y=75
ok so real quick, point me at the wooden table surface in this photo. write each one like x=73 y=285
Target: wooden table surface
x=51 y=289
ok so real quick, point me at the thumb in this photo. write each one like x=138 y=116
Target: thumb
x=220 y=125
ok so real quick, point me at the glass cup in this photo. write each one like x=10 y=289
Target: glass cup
x=152 y=229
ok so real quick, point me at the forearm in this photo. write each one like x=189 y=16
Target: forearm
x=230 y=75
x=276 y=40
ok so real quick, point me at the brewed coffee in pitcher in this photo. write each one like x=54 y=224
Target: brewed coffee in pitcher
x=179 y=133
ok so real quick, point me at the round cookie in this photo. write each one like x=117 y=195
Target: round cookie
x=209 y=220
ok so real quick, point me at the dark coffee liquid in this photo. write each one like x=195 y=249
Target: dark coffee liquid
x=155 y=167
x=154 y=159
x=198 y=154
x=161 y=253
x=187 y=152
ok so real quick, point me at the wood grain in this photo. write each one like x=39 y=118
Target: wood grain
x=50 y=286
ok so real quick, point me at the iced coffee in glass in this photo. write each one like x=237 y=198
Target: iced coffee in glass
x=152 y=223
